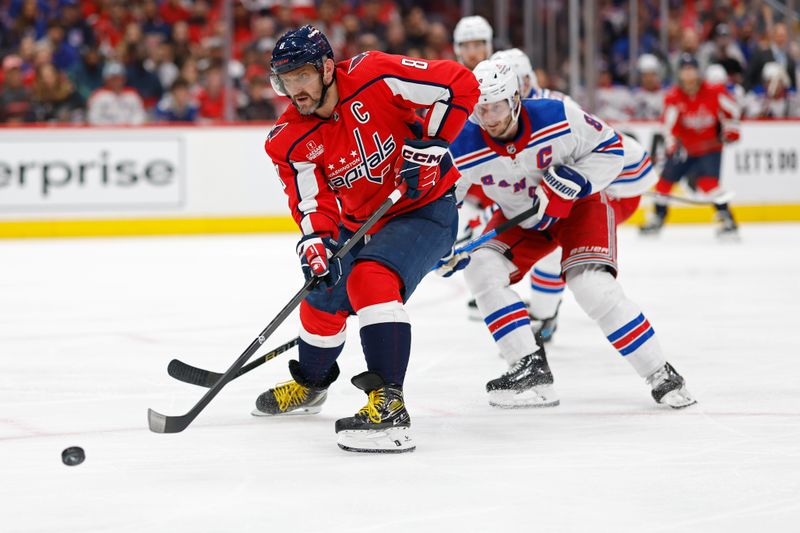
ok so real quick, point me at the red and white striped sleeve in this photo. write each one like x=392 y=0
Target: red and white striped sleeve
x=312 y=203
x=447 y=89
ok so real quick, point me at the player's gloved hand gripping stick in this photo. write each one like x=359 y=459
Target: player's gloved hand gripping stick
x=174 y=424
x=459 y=257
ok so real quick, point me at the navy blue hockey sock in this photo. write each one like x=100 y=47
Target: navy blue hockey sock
x=316 y=362
x=387 y=347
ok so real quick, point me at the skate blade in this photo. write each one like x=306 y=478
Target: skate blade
x=540 y=396
x=388 y=440
x=296 y=412
x=678 y=399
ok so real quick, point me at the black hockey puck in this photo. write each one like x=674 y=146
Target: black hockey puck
x=73 y=456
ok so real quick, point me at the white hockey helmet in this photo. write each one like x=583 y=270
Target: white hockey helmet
x=498 y=83
x=717 y=74
x=521 y=65
x=648 y=63
x=474 y=28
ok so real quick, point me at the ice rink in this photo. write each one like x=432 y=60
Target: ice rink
x=87 y=327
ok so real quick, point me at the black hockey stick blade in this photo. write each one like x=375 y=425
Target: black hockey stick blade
x=206 y=378
x=174 y=424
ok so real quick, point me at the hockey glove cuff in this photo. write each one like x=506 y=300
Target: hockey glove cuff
x=557 y=192
x=315 y=253
x=419 y=163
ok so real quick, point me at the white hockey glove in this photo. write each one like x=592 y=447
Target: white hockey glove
x=452 y=263
x=557 y=192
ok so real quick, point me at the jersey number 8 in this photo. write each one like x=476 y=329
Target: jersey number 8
x=422 y=65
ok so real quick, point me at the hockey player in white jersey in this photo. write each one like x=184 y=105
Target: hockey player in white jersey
x=527 y=151
x=472 y=40
x=638 y=176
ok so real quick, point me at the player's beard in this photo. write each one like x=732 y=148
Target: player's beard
x=309 y=106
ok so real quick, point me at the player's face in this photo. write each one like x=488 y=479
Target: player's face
x=689 y=78
x=472 y=53
x=304 y=87
x=494 y=118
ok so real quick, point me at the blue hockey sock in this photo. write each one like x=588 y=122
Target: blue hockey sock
x=387 y=348
x=316 y=362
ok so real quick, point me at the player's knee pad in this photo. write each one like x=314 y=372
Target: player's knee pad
x=487 y=270
x=371 y=283
x=321 y=329
x=595 y=289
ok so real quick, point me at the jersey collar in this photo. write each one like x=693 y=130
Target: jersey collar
x=515 y=146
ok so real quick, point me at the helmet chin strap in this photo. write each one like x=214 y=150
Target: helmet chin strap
x=324 y=87
x=511 y=123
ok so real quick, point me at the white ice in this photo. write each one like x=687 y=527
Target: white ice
x=87 y=327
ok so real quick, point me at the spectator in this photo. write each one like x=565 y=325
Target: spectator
x=160 y=61
x=776 y=50
x=114 y=104
x=212 y=96
x=87 y=75
x=724 y=51
x=177 y=105
x=259 y=106
x=151 y=21
x=172 y=11
x=648 y=96
x=773 y=98
x=690 y=43
x=15 y=99
x=65 y=56
x=29 y=21
x=77 y=32
x=54 y=97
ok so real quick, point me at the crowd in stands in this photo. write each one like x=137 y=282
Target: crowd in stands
x=108 y=62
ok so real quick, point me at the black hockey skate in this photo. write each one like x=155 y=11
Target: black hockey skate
x=669 y=388
x=529 y=383
x=381 y=426
x=652 y=225
x=298 y=396
x=727 y=229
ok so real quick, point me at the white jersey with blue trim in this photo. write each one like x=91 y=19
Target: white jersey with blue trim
x=637 y=175
x=550 y=133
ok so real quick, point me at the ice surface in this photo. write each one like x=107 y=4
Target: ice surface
x=87 y=328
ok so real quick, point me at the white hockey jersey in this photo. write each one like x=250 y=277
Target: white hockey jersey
x=637 y=175
x=550 y=133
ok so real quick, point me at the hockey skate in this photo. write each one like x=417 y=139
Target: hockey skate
x=295 y=397
x=381 y=426
x=726 y=229
x=528 y=383
x=652 y=225
x=669 y=388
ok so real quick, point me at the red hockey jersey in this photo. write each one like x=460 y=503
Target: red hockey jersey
x=698 y=122
x=350 y=156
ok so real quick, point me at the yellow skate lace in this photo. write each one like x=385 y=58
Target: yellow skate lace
x=290 y=394
x=375 y=401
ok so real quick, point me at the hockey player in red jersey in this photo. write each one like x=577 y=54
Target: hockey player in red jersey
x=699 y=118
x=350 y=135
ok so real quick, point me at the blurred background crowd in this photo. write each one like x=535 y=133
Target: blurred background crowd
x=138 y=61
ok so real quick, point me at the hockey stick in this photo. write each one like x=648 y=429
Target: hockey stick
x=206 y=378
x=491 y=234
x=720 y=199
x=174 y=424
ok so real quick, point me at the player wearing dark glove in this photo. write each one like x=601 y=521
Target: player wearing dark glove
x=557 y=192
x=419 y=164
x=315 y=252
